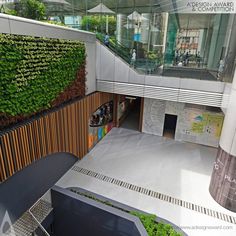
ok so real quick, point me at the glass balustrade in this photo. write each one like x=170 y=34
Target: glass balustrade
x=166 y=41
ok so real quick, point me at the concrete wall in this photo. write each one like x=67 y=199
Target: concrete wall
x=78 y=215
x=226 y=96
x=228 y=137
x=22 y=26
x=194 y=123
x=116 y=76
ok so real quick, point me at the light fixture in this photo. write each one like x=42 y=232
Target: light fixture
x=130 y=98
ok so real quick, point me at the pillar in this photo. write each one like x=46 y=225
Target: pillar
x=217 y=40
x=122 y=33
x=223 y=179
x=171 y=39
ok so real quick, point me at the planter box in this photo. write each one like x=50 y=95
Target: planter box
x=78 y=215
x=125 y=207
x=92 y=216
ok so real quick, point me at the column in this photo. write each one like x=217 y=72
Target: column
x=223 y=179
x=122 y=33
x=217 y=40
x=171 y=39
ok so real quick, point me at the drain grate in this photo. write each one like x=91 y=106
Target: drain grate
x=157 y=195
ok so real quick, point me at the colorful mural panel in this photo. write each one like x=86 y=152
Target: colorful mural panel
x=100 y=123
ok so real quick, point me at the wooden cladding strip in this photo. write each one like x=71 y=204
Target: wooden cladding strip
x=2 y=169
x=65 y=130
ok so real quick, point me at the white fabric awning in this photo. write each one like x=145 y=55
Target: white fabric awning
x=101 y=8
x=130 y=26
x=136 y=16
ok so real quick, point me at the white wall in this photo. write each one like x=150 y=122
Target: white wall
x=109 y=67
x=90 y=67
x=22 y=26
x=116 y=76
x=226 y=96
x=228 y=137
x=194 y=123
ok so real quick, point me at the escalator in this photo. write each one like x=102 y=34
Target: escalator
x=117 y=48
x=142 y=64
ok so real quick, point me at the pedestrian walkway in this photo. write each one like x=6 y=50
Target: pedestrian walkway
x=157 y=175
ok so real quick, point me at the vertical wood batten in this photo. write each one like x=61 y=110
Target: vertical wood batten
x=31 y=141
x=83 y=115
x=48 y=132
x=2 y=167
x=64 y=130
x=6 y=157
x=37 y=142
x=16 y=147
x=26 y=145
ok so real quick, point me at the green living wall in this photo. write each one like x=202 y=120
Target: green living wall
x=35 y=71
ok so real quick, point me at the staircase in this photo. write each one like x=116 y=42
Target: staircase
x=26 y=225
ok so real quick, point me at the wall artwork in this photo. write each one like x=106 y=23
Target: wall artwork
x=194 y=123
x=200 y=126
x=154 y=116
x=100 y=123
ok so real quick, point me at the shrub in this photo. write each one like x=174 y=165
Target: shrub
x=153 y=228
x=97 y=23
x=34 y=71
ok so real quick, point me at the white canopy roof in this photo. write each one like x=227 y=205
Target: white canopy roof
x=136 y=16
x=101 y=8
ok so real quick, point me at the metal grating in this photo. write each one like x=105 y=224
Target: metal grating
x=160 y=196
x=162 y=93
x=128 y=89
x=105 y=86
x=200 y=97
x=26 y=225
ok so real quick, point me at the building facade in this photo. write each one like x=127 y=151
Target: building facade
x=196 y=93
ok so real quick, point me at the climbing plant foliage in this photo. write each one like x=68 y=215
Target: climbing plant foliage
x=34 y=71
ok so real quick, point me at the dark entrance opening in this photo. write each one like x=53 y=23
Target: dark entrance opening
x=131 y=117
x=169 y=126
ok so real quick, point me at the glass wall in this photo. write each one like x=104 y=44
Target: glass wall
x=141 y=29
x=197 y=45
x=147 y=34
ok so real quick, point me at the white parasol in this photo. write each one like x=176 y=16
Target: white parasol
x=136 y=16
x=102 y=9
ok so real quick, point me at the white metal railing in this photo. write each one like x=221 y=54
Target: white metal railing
x=39 y=224
x=31 y=212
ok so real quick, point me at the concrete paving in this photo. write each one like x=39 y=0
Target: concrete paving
x=176 y=169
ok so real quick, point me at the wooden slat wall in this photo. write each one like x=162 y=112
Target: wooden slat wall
x=65 y=130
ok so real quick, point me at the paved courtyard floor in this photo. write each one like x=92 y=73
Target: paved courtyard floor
x=157 y=175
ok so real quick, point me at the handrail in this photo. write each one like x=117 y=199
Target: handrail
x=127 y=63
x=141 y=64
x=39 y=224
x=117 y=48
